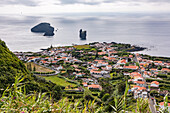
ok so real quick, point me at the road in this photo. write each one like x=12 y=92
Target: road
x=48 y=74
x=151 y=103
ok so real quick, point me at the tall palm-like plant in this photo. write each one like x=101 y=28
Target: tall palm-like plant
x=142 y=106
x=120 y=102
x=165 y=109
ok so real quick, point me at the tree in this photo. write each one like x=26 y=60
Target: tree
x=30 y=67
x=121 y=87
x=105 y=97
x=34 y=68
x=137 y=64
x=160 y=67
x=56 y=92
x=127 y=64
x=122 y=65
x=154 y=93
x=51 y=46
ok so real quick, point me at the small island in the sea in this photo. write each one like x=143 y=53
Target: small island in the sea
x=45 y=28
x=83 y=34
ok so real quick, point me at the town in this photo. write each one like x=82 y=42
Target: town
x=102 y=69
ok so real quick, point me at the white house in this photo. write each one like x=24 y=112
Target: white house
x=140 y=83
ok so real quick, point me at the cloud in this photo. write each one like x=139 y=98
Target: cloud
x=66 y=2
x=96 y=2
x=19 y=2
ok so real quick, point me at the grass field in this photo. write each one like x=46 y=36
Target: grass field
x=38 y=67
x=82 y=46
x=59 y=81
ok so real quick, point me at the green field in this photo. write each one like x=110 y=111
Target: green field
x=59 y=81
x=82 y=46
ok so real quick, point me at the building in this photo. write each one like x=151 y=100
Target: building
x=131 y=67
x=155 y=84
x=162 y=107
x=94 y=87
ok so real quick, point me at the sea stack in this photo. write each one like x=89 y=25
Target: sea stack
x=83 y=34
x=43 y=28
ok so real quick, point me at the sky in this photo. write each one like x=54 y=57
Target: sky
x=80 y=6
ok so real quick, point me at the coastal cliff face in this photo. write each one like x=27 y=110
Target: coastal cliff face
x=83 y=34
x=43 y=28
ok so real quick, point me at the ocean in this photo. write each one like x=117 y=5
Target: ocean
x=146 y=30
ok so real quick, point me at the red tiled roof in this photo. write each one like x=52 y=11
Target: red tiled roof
x=110 y=58
x=84 y=83
x=131 y=67
x=135 y=74
x=136 y=86
x=95 y=71
x=43 y=61
x=162 y=103
x=130 y=56
x=155 y=82
x=158 y=62
x=153 y=69
x=94 y=86
x=141 y=88
x=122 y=61
x=109 y=66
x=143 y=69
x=112 y=52
x=64 y=57
x=54 y=61
x=139 y=82
x=101 y=53
x=156 y=73
x=99 y=60
x=165 y=69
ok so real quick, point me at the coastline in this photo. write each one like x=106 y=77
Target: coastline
x=137 y=49
x=155 y=38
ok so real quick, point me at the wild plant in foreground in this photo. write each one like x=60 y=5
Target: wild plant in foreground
x=15 y=100
x=142 y=106
x=166 y=108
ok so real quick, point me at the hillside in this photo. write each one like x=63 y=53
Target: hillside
x=11 y=66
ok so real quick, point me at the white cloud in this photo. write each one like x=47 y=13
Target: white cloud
x=60 y=6
x=19 y=2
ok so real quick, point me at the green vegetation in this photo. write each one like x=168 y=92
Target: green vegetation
x=155 y=58
x=82 y=46
x=15 y=100
x=31 y=93
x=11 y=66
x=164 y=76
x=59 y=81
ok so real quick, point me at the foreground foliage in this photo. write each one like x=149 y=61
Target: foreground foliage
x=11 y=66
x=15 y=100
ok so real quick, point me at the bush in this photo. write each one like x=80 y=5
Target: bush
x=105 y=97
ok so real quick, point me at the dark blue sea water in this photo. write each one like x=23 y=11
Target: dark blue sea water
x=150 y=31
